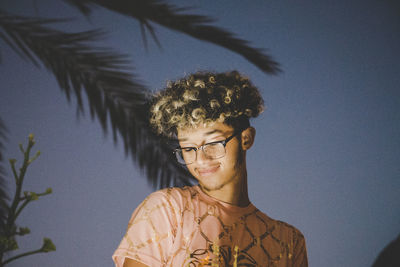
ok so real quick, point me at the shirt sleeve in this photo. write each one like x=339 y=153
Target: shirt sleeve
x=300 y=252
x=150 y=232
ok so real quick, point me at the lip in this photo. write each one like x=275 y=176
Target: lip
x=208 y=171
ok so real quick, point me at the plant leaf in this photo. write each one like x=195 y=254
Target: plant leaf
x=113 y=93
x=197 y=26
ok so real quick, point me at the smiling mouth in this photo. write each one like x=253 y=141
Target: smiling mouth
x=208 y=171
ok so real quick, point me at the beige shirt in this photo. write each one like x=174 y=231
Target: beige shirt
x=186 y=227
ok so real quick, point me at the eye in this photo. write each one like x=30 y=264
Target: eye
x=187 y=149
x=213 y=146
x=216 y=143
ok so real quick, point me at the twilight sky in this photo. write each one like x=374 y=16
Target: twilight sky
x=327 y=151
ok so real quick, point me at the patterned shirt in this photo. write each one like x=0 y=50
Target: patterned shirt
x=186 y=227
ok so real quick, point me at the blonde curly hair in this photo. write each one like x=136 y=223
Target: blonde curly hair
x=205 y=98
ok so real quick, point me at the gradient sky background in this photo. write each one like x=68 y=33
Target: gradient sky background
x=327 y=151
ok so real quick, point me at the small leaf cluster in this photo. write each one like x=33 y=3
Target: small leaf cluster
x=9 y=229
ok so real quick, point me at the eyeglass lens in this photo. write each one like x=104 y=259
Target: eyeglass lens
x=212 y=151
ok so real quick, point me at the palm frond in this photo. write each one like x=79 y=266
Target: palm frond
x=112 y=92
x=197 y=26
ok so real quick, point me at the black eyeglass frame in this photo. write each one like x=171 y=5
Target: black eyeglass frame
x=223 y=142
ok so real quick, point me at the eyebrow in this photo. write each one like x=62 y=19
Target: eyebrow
x=205 y=134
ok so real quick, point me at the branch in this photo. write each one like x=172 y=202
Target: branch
x=21 y=255
x=47 y=246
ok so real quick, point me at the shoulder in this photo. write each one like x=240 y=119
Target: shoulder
x=289 y=238
x=162 y=207
x=281 y=228
x=176 y=193
x=172 y=196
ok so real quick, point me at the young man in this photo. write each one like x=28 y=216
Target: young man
x=212 y=223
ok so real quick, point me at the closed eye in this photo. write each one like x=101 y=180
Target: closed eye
x=188 y=149
x=214 y=143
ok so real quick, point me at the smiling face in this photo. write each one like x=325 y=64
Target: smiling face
x=215 y=174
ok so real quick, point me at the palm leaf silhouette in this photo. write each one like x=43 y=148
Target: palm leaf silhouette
x=111 y=91
x=196 y=26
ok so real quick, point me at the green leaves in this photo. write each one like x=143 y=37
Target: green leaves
x=8 y=244
x=35 y=196
x=48 y=245
x=24 y=231
x=9 y=230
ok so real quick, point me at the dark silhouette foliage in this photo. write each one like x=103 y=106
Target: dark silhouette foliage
x=114 y=93
x=170 y=16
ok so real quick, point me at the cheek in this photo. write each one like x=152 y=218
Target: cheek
x=234 y=160
x=233 y=155
x=191 y=169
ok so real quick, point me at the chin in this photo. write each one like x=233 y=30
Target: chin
x=212 y=185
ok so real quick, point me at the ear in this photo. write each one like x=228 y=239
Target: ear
x=247 y=137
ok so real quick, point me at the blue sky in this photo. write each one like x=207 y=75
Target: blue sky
x=327 y=151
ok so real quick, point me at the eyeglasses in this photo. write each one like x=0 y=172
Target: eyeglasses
x=212 y=150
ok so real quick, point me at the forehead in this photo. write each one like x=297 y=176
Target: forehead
x=201 y=131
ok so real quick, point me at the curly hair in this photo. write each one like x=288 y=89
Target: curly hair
x=205 y=98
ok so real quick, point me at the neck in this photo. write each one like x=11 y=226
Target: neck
x=235 y=192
